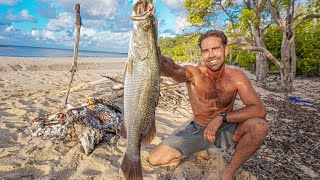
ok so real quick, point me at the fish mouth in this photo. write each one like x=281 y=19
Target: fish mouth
x=145 y=15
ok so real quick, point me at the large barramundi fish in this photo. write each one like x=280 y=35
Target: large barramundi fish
x=141 y=87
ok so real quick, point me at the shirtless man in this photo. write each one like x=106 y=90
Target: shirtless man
x=212 y=90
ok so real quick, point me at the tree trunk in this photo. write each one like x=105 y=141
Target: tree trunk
x=315 y=20
x=293 y=58
x=262 y=67
x=289 y=60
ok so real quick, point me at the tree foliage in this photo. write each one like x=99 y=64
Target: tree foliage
x=181 y=48
x=184 y=48
x=308 y=49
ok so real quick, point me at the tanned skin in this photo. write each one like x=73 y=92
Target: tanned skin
x=212 y=88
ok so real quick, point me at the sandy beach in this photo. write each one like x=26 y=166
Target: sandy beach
x=33 y=87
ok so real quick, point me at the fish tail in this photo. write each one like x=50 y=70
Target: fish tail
x=132 y=170
x=123 y=130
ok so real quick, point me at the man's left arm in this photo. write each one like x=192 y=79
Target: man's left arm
x=253 y=105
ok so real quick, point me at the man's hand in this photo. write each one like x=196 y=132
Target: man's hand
x=145 y=3
x=212 y=128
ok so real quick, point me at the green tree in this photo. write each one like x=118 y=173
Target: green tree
x=242 y=22
x=247 y=23
x=288 y=16
x=181 y=48
x=308 y=49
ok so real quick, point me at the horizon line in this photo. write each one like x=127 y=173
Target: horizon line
x=5 y=45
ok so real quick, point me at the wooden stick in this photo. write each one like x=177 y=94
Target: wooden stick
x=112 y=79
x=169 y=86
x=75 y=52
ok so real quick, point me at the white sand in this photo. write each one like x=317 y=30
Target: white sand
x=31 y=87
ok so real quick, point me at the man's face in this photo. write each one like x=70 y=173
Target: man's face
x=213 y=53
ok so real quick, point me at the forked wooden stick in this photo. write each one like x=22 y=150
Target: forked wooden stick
x=75 y=52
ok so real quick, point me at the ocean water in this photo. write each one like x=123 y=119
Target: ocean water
x=23 y=51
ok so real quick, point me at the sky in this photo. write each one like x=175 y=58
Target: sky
x=106 y=23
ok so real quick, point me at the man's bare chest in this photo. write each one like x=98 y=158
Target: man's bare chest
x=217 y=95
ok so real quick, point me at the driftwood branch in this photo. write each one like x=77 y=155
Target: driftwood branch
x=112 y=79
x=75 y=52
x=170 y=86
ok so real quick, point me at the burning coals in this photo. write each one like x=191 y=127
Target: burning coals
x=98 y=120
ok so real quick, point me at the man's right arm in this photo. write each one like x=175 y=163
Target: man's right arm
x=173 y=70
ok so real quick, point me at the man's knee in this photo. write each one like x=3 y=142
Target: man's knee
x=255 y=126
x=163 y=154
x=258 y=130
x=260 y=127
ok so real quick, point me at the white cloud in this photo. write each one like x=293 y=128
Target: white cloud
x=175 y=4
x=89 y=39
x=9 y=2
x=35 y=34
x=88 y=33
x=181 y=24
x=97 y=8
x=106 y=24
x=9 y=29
x=64 y=20
x=49 y=35
x=111 y=41
x=61 y=38
x=24 y=16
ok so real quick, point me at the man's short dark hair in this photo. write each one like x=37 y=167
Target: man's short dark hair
x=213 y=33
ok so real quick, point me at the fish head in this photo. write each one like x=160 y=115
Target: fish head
x=145 y=33
x=144 y=18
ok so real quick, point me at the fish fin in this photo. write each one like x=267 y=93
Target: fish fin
x=149 y=135
x=131 y=170
x=123 y=130
x=129 y=67
x=124 y=72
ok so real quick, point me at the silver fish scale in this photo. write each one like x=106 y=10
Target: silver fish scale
x=141 y=94
x=141 y=91
x=141 y=88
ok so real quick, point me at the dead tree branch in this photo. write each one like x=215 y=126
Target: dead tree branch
x=75 y=52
